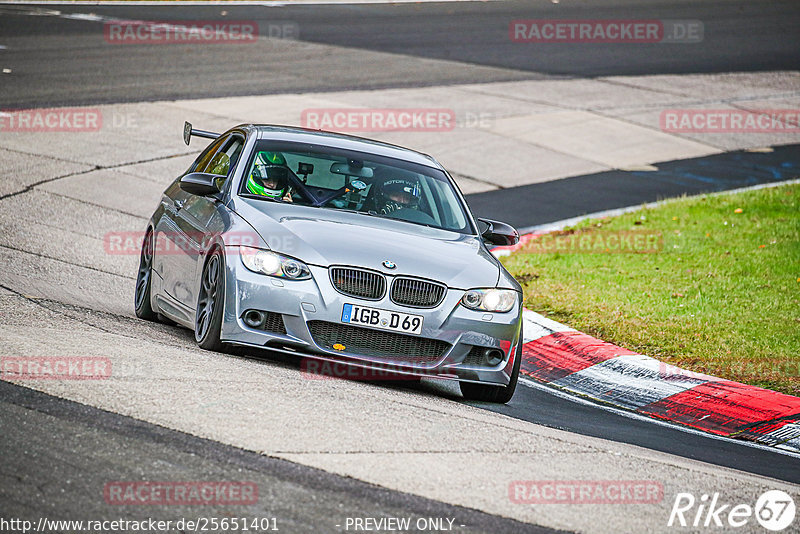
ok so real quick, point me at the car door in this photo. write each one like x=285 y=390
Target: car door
x=201 y=217
x=171 y=239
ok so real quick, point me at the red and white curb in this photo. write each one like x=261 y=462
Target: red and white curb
x=563 y=358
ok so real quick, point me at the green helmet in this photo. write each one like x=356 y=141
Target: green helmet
x=269 y=176
x=271 y=157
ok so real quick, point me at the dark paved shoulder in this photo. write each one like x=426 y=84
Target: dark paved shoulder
x=542 y=203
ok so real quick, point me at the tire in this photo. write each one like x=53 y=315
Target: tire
x=165 y=320
x=497 y=394
x=210 y=303
x=141 y=298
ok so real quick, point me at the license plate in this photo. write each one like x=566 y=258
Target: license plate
x=385 y=319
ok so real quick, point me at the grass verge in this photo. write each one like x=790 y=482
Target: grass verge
x=708 y=283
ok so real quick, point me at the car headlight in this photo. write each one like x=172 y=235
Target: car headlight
x=491 y=300
x=273 y=264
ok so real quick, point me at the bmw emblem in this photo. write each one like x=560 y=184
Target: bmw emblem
x=389 y=264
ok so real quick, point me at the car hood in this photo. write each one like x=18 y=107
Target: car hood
x=327 y=237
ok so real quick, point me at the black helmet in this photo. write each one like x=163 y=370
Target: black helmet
x=400 y=192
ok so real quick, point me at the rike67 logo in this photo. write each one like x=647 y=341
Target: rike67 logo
x=774 y=510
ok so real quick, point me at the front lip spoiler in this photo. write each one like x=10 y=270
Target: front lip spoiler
x=422 y=373
x=365 y=361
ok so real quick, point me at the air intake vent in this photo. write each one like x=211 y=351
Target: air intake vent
x=261 y=320
x=375 y=344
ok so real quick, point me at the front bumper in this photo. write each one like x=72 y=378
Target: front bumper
x=462 y=336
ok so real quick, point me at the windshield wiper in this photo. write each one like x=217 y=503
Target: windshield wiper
x=369 y=213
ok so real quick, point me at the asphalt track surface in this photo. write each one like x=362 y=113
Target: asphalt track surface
x=71 y=66
x=586 y=419
x=87 y=454
x=67 y=62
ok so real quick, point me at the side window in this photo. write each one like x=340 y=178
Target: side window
x=202 y=160
x=225 y=160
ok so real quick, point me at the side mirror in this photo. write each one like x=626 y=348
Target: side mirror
x=201 y=183
x=498 y=233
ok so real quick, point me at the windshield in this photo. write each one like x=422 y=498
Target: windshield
x=354 y=181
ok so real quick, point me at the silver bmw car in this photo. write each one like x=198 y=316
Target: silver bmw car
x=337 y=249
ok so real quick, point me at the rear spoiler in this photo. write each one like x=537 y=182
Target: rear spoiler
x=188 y=132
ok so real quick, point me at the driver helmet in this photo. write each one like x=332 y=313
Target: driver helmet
x=269 y=176
x=400 y=192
